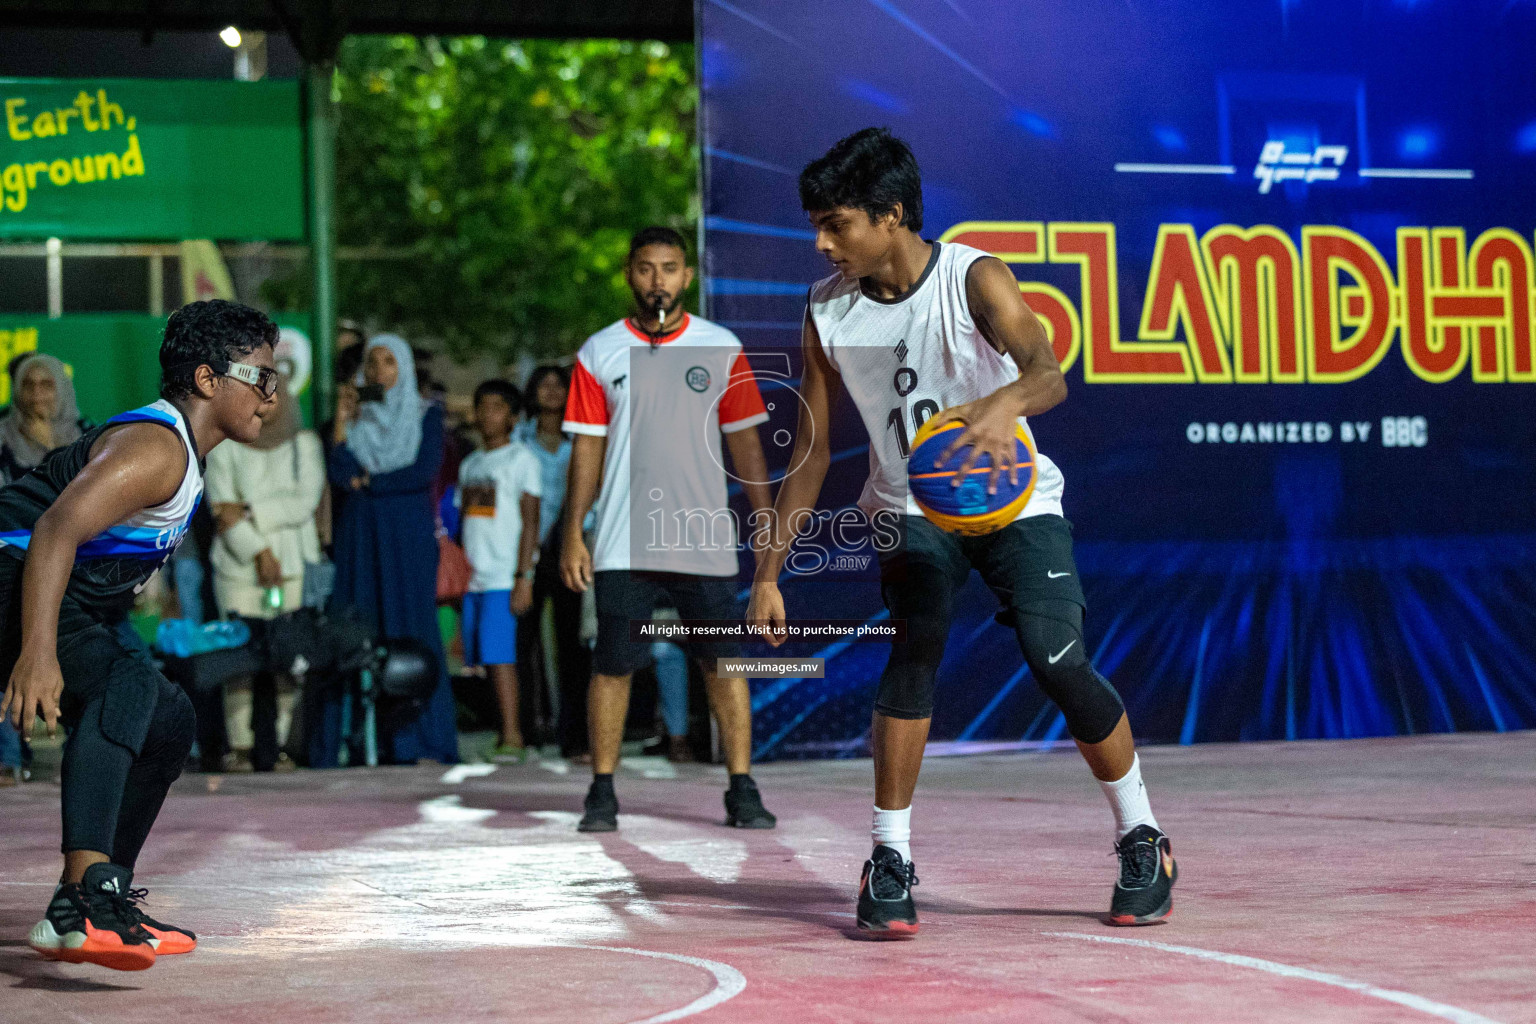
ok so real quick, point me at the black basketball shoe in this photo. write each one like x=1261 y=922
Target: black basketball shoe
x=886 y=910
x=1144 y=893
x=168 y=939
x=602 y=808
x=744 y=805
x=92 y=922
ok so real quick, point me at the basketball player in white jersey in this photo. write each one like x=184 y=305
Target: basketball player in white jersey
x=913 y=329
x=79 y=537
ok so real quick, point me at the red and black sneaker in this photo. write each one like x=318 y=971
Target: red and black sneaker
x=92 y=922
x=166 y=938
x=886 y=910
x=1144 y=893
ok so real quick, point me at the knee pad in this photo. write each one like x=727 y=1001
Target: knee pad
x=922 y=595
x=1051 y=637
x=906 y=685
x=906 y=690
x=172 y=729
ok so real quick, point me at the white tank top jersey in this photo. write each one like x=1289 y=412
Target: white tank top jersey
x=115 y=564
x=154 y=530
x=904 y=360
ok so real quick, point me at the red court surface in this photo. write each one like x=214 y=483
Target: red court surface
x=1367 y=881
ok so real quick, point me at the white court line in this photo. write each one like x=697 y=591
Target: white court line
x=1175 y=168
x=1408 y=999
x=459 y=772
x=1415 y=172
x=729 y=982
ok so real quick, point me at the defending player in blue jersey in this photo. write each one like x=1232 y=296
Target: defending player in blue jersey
x=79 y=537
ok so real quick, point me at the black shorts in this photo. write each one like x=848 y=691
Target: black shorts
x=1027 y=560
x=625 y=596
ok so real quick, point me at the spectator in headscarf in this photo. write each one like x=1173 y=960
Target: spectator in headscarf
x=43 y=415
x=385 y=452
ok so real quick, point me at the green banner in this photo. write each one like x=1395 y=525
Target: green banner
x=149 y=160
x=114 y=358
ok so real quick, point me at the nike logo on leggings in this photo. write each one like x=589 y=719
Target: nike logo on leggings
x=1053 y=659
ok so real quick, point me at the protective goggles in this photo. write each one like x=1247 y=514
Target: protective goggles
x=262 y=378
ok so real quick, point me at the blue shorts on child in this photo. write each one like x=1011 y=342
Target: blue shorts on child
x=490 y=629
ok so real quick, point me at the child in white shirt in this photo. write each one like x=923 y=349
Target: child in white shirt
x=499 y=489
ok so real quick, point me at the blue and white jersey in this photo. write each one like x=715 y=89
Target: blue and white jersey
x=113 y=566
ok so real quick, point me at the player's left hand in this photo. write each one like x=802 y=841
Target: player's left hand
x=522 y=597
x=990 y=424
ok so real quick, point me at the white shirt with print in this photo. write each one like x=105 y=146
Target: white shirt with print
x=491 y=488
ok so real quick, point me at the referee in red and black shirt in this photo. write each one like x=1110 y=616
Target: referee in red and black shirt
x=654 y=399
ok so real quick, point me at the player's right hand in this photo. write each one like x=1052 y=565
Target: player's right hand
x=35 y=687
x=765 y=610
x=576 y=564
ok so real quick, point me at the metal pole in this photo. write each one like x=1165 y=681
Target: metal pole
x=370 y=719
x=55 y=250
x=157 y=285
x=251 y=57
x=322 y=231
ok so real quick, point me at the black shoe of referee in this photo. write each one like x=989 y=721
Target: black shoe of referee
x=886 y=910
x=1144 y=893
x=744 y=805
x=602 y=807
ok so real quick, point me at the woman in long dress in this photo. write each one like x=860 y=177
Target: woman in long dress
x=384 y=455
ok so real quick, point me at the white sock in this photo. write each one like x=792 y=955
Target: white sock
x=894 y=829
x=1128 y=799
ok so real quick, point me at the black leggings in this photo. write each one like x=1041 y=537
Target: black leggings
x=129 y=728
x=571 y=655
x=112 y=796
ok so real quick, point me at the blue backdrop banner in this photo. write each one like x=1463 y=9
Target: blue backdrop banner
x=1284 y=252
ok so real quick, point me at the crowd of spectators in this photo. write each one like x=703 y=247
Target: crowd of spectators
x=357 y=514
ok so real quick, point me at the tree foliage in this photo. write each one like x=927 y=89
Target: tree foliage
x=514 y=172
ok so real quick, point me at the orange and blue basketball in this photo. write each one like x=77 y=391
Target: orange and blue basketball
x=967 y=509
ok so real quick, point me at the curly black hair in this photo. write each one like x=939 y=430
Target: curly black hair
x=212 y=333
x=870 y=170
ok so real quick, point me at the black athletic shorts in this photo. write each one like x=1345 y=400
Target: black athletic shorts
x=625 y=596
x=1028 y=560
